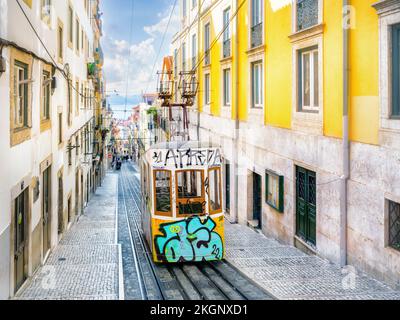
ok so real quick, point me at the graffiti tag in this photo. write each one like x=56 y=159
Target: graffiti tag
x=187 y=157
x=189 y=240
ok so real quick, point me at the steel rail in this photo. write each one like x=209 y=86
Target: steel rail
x=143 y=244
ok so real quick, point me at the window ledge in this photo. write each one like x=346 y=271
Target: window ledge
x=207 y=66
x=256 y=50
x=386 y=6
x=226 y=60
x=307 y=33
x=20 y=135
x=45 y=125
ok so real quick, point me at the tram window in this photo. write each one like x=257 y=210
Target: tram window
x=190 y=192
x=190 y=184
x=214 y=190
x=162 y=183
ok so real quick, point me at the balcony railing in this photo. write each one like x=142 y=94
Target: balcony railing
x=257 y=35
x=307 y=14
x=227 y=48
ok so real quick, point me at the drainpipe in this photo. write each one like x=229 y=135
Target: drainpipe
x=235 y=216
x=345 y=142
x=199 y=65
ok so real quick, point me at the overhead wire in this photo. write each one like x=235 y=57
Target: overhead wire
x=161 y=44
x=129 y=56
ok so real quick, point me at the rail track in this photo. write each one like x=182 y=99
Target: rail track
x=201 y=281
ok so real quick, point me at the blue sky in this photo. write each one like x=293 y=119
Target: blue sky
x=150 y=18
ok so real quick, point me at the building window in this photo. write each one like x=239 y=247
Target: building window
x=46 y=11
x=60 y=128
x=227 y=87
x=207 y=44
x=69 y=151
x=70 y=26
x=69 y=85
x=46 y=89
x=194 y=51
x=60 y=39
x=214 y=178
x=184 y=9
x=77 y=145
x=257 y=84
x=274 y=185
x=308 y=79
x=77 y=97
x=227 y=34
x=395 y=112
x=207 y=88
x=176 y=62
x=184 y=57
x=256 y=23
x=394 y=225
x=77 y=36
x=194 y=4
x=306 y=14
x=20 y=95
x=162 y=180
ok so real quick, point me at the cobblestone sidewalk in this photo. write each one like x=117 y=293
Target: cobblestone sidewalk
x=288 y=273
x=86 y=263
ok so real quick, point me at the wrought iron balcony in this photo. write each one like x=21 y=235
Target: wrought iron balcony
x=307 y=14
x=227 y=48
x=257 y=35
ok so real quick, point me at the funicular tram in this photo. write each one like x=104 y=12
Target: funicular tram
x=182 y=214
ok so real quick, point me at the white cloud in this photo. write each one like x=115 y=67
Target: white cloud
x=137 y=68
x=142 y=56
x=159 y=27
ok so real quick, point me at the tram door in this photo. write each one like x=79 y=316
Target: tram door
x=46 y=211
x=257 y=199
x=20 y=234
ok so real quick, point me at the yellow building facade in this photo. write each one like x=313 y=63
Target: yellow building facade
x=273 y=87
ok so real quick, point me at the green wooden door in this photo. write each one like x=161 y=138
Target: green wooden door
x=257 y=200
x=306 y=205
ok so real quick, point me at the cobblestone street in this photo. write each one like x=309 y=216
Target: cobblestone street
x=288 y=273
x=85 y=264
x=88 y=264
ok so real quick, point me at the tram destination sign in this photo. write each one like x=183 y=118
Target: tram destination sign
x=186 y=158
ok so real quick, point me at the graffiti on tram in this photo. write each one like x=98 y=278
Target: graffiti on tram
x=187 y=158
x=190 y=240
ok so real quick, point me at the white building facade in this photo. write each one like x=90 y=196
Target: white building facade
x=46 y=129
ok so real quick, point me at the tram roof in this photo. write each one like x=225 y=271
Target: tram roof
x=183 y=145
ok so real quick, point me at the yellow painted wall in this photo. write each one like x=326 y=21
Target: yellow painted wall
x=278 y=67
x=364 y=74
x=242 y=34
x=333 y=68
x=278 y=85
x=215 y=73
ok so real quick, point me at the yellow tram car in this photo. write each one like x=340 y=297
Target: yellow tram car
x=182 y=214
